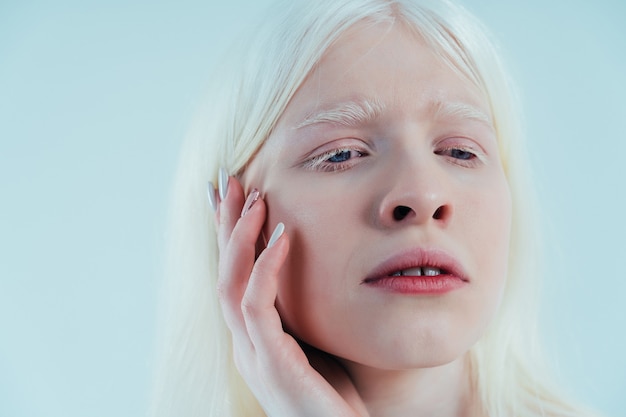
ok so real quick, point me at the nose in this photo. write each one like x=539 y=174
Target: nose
x=415 y=196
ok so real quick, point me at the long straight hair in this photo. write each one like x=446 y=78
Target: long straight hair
x=196 y=375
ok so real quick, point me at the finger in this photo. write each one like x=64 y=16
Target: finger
x=232 y=197
x=262 y=320
x=236 y=265
x=273 y=347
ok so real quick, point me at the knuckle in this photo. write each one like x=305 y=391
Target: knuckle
x=249 y=308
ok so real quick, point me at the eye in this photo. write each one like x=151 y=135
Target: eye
x=341 y=156
x=461 y=155
x=334 y=160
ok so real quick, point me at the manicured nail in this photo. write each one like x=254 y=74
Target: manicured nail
x=222 y=183
x=252 y=198
x=212 y=199
x=276 y=234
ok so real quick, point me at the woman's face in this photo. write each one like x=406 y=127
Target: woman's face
x=385 y=163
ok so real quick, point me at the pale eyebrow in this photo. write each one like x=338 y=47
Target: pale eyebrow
x=460 y=110
x=349 y=113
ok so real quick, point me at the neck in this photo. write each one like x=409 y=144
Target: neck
x=443 y=391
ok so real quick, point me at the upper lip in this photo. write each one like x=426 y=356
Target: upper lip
x=418 y=257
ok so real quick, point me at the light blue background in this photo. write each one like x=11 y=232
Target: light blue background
x=94 y=100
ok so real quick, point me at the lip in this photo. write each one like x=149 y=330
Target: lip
x=453 y=275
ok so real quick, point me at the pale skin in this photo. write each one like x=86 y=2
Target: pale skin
x=384 y=149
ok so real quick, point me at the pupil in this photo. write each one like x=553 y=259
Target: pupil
x=340 y=157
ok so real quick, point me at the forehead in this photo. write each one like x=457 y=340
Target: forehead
x=386 y=65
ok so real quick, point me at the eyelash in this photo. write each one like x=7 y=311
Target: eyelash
x=474 y=157
x=321 y=163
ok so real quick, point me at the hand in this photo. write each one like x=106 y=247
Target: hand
x=272 y=363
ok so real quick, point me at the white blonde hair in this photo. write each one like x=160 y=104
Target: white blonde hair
x=196 y=375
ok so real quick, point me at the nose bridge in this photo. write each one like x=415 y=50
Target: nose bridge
x=414 y=190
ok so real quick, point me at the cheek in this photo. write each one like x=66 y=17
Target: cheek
x=498 y=227
x=311 y=278
x=491 y=229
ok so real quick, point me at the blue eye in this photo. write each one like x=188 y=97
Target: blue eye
x=335 y=160
x=461 y=154
x=340 y=156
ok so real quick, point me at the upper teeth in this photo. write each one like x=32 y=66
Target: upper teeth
x=427 y=271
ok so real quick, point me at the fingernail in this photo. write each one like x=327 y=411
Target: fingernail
x=222 y=183
x=276 y=234
x=252 y=198
x=212 y=199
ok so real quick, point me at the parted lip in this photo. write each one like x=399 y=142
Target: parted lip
x=418 y=257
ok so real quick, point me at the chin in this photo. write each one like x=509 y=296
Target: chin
x=406 y=360
x=419 y=356
x=426 y=349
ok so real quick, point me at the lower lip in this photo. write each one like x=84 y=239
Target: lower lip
x=424 y=285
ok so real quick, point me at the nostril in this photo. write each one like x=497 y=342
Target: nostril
x=439 y=213
x=400 y=212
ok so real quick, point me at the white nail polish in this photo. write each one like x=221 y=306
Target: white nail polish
x=277 y=233
x=222 y=183
x=211 y=193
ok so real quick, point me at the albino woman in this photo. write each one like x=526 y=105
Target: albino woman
x=365 y=247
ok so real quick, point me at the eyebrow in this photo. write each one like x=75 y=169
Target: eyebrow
x=460 y=110
x=357 y=112
x=348 y=113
